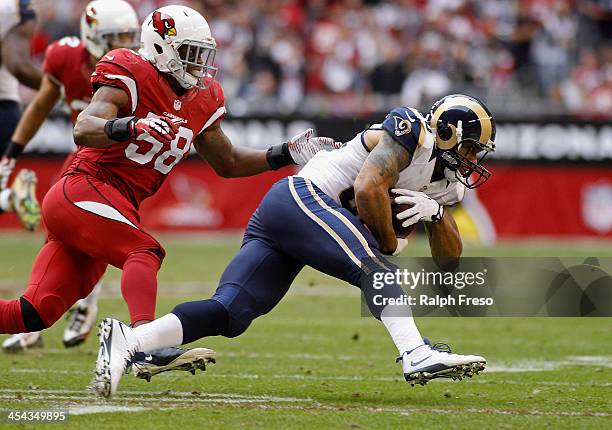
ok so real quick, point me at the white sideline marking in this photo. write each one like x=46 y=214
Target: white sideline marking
x=103 y=409
x=166 y=400
x=593 y=360
x=259 y=401
x=302 y=377
x=527 y=366
x=60 y=371
x=169 y=402
x=135 y=395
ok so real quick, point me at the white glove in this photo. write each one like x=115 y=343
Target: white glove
x=423 y=207
x=401 y=244
x=302 y=147
x=6 y=168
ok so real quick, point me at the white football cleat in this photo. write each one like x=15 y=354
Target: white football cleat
x=22 y=341
x=82 y=321
x=117 y=346
x=146 y=365
x=24 y=200
x=429 y=361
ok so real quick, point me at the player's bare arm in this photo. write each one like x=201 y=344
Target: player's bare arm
x=15 y=44
x=379 y=173
x=227 y=160
x=89 y=129
x=30 y=122
x=231 y=161
x=36 y=112
x=444 y=241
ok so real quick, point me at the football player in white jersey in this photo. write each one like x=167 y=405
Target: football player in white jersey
x=310 y=219
x=17 y=23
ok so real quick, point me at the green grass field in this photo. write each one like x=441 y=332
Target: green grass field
x=315 y=362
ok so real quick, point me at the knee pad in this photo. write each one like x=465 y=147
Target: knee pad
x=31 y=318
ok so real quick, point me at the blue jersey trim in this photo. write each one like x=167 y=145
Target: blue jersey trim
x=405 y=127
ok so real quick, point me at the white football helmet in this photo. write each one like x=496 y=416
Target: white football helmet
x=109 y=24
x=177 y=40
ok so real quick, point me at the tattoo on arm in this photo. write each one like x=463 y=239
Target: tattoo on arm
x=390 y=158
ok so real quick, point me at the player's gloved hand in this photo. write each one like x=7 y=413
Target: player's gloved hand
x=423 y=207
x=7 y=163
x=6 y=168
x=160 y=128
x=302 y=147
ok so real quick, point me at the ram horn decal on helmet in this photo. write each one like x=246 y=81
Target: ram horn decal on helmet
x=458 y=120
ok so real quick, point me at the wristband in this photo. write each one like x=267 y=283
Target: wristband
x=438 y=216
x=120 y=129
x=278 y=156
x=13 y=150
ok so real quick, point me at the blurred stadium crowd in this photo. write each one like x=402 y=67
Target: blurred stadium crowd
x=355 y=57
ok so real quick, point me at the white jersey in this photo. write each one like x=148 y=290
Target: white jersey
x=12 y=12
x=334 y=172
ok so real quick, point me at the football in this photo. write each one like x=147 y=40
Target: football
x=397 y=224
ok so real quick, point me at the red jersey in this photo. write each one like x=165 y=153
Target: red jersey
x=138 y=168
x=67 y=63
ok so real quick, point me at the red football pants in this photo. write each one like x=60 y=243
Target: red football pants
x=90 y=225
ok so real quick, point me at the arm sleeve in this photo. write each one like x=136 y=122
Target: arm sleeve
x=115 y=75
x=405 y=128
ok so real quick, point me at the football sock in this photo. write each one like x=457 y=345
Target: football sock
x=139 y=285
x=11 y=319
x=164 y=332
x=5 y=200
x=92 y=298
x=401 y=326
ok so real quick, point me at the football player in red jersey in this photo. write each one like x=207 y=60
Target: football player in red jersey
x=68 y=65
x=146 y=111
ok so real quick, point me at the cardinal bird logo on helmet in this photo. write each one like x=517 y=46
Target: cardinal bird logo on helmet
x=90 y=17
x=164 y=24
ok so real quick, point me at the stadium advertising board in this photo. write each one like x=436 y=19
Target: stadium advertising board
x=556 y=169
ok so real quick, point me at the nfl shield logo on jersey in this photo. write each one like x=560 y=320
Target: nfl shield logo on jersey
x=177 y=104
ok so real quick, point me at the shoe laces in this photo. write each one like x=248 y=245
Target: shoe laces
x=77 y=318
x=438 y=346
